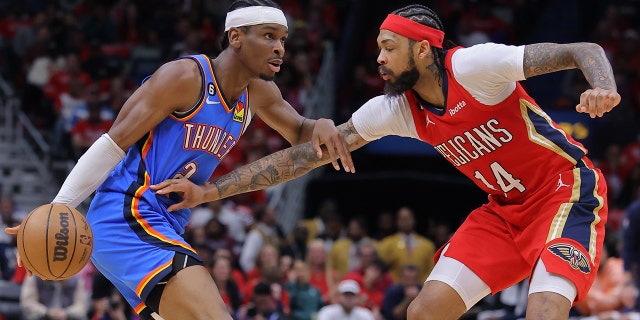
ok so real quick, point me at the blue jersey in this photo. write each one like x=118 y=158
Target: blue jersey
x=135 y=237
x=188 y=145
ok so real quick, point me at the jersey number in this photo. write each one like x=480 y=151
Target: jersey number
x=504 y=179
x=188 y=170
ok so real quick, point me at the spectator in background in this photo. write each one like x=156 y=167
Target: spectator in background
x=347 y=307
x=217 y=235
x=397 y=297
x=86 y=131
x=320 y=276
x=385 y=225
x=306 y=300
x=106 y=302
x=263 y=305
x=318 y=224
x=407 y=247
x=237 y=274
x=373 y=280
x=221 y=271
x=343 y=257
x=631 y=244
x=264 y=231
x=54 y=300
x=236 y=221
x=297 y=246
x=268 y=256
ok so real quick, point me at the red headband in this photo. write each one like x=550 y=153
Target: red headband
x=413 y=30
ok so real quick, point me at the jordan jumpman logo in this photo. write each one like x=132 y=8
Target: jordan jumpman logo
x=561 y=184
x=429 y=121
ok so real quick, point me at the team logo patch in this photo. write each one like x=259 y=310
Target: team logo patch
x=238 y=112
x=576 y=259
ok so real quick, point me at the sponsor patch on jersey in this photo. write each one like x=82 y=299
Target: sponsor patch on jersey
x=238 y=112
x=576 y=259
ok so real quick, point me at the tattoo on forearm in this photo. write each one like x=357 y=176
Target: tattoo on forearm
x=545 y=58
x=281 y=166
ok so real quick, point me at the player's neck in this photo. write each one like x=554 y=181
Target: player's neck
x=230 y=74
x=429 y=88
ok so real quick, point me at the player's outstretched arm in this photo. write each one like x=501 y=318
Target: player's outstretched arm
x=271 y=170
x=542 y=58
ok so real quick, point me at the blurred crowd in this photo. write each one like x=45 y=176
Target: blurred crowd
x=74 y=63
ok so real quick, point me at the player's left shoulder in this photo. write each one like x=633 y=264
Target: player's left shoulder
x=263 y=93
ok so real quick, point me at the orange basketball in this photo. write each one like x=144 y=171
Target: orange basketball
x=55 y=241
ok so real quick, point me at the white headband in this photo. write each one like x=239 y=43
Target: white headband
x=253 y=15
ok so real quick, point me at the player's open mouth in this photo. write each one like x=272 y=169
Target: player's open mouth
x=275 y=65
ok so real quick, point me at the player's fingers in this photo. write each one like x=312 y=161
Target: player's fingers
x=332 y=154
x=315 y=141
x=12 y=230
x=345 y=156
x=177 y=206
x=167 y=186
x=18 y=260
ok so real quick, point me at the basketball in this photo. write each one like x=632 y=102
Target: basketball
x=55 y=241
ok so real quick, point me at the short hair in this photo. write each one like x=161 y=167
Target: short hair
x=237 y=4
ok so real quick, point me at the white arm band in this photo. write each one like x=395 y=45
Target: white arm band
x=91 y=171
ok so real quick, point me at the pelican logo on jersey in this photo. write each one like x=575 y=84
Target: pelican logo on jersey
x=576 y=259
x=474 y=143
x=238 y=112
x=457 y=108
x=211 y=139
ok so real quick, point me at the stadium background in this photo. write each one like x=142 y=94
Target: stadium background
x=120 y=42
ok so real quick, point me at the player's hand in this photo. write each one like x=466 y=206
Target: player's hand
x=325 y=132
x=192 y=194
x=597 y=101
x=14 y=231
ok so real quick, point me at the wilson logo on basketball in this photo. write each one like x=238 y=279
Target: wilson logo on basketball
x=62 y=239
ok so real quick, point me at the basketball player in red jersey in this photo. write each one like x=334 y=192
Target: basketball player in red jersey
x=181 y=122
x=547 y=203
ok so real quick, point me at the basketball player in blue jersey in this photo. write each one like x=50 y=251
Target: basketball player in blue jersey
x=180 y=123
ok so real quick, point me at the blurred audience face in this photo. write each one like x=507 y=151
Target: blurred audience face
x=316 y=254
x=355 y=230
x=221 y=270
x=405 y=220
x=366 y=253
x=301 y=270
x=410 y=276
x=268 y=256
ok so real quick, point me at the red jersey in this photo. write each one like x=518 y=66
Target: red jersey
x=509 y=150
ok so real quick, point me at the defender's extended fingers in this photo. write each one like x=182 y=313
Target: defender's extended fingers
x=315 y=141
x=345 y=156
x=332 y=154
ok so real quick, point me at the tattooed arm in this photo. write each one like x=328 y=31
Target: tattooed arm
x=542 y=58
x=271 y=170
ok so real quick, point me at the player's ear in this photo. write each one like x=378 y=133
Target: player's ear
x=424 y=48
x=234 y=37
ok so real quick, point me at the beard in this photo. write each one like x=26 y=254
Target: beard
x=405 y=81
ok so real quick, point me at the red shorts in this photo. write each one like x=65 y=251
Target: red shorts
x=562 y=223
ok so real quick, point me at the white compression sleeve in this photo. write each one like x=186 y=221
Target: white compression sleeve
x=91 y=171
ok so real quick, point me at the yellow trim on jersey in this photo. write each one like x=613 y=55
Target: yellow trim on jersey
x=596 y=217
x=539 y=139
